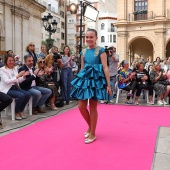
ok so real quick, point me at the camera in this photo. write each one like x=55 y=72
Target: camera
x=56 y=56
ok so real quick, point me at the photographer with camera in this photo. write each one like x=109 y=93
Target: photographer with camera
x=113 y=60
x=56 y=64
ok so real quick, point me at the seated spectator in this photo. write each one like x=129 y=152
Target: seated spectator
x=159 y=80
x=143 y=82
x=125 y=80
x=44 y=79
x=43 y=53
x=40 y=94
x=9 y=84
x=164 y=65
x=5 y=100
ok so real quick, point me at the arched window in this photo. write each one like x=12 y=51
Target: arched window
x=102 y=26
x=102 y=39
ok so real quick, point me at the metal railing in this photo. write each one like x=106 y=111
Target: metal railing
x=141 y=15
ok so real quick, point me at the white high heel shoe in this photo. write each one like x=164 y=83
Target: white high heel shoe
x=90 y=140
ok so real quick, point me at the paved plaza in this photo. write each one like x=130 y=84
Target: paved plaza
x=161 y=159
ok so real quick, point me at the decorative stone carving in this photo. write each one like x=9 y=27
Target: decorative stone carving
x=20 y=12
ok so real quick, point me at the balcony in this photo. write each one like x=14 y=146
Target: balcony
x=78 y=22
x=78 y=33
x=141 y=15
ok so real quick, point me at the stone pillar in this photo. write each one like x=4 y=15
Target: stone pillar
x=122 y=46
x=160 y=48
x=160 y=9
x=122 y=11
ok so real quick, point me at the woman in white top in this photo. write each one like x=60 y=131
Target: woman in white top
x=9 y=84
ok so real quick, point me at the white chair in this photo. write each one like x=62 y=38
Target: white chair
x=13 y=108
x=118 y=94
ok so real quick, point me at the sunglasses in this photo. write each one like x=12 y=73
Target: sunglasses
x=42 y=62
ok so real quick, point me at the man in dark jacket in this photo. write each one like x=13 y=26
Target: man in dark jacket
x=39 y=94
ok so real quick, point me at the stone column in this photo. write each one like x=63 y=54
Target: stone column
x=122 y=10
x=160 y=9
x=122 y=46
x=160 y=48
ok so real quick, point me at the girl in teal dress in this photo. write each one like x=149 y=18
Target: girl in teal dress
x=92 y=82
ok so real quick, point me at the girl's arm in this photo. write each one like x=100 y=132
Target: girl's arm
x=82 y=62
x=106 y=71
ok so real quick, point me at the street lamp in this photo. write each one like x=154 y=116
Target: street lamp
x=87 y=11
x=49 y=25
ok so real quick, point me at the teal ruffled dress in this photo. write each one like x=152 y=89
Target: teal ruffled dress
x=90 y=82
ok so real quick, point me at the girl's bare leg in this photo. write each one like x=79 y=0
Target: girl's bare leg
x=82 y=105
x=93 y=117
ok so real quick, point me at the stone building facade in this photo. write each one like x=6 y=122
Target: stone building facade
x=143 y=27
x=20 y=24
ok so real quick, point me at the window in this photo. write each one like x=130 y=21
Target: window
x=141 y=5
x=62 y=25
x=110 y=38
x=71 y=41
x=62 y=14
x=114 y=38
x=49 y=7
x=102 y=26
x=140 y=9
x=112 y=28
x=62 y=36
x=102 y=39
x=71 y=30
x=70 y=20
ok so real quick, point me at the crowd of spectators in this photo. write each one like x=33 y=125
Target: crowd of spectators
x=145 y=75
x=44 y=77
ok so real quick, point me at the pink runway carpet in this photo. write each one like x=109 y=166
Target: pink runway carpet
x=126 y=138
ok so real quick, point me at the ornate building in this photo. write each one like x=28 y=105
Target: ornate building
x=143 y=27
x=20 y=24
